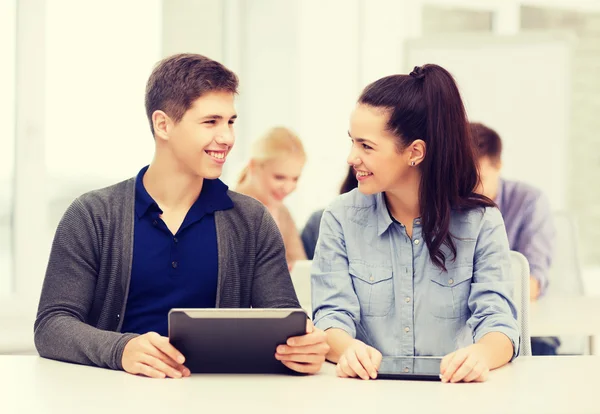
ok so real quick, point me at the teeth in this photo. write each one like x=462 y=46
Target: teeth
x=218 y=155
x=363 y=173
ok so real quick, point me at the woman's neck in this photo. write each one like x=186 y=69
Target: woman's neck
x=403 y=202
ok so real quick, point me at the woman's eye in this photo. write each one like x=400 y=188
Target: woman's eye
x=365 y=146
x=212 y=121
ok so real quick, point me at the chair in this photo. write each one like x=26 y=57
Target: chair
x=301 y=279
x=520 y=269
x=566 y=276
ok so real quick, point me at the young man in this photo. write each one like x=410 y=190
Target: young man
x=527 y=217
x=174 y=236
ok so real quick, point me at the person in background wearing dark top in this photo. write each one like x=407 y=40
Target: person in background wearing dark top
x=172 y=237
x=310 y=233
x=527 y=217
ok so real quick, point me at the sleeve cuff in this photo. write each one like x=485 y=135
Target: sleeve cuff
x=343 y=322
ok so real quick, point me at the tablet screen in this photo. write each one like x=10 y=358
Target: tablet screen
x=410 y=367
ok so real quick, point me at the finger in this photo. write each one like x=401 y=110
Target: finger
x=356 y=366
x=339 y=372
x=376 y=357
x=484 y=375
x=155 y=352
x=315 y=337
x=148 y=371
x=159 y=365
x=304 y=358
x=446 y=362
x=457 y=360
x=343 y=364
x=363 y=357
x=320 y=349
x=464 y=370
x=475 y=373
x=302 y=368
x=162 y=343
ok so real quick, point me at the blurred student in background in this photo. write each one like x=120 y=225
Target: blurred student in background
x=275 y=165
x=527 y=217
x=310 y=233
x=414 y=262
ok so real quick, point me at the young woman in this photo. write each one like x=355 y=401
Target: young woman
x=414 y=262
x=271 y=175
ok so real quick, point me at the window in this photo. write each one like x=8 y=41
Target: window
x=7 y=141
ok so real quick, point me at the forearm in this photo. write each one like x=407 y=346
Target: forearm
x=498 y=349
x=65 y=338
x=338 y=341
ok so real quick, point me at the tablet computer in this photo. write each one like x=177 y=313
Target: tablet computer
x=410 y=368
x=234 y=340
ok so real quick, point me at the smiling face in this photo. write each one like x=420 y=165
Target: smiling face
x=201 y=141
x=378 y=163
x=278 y=177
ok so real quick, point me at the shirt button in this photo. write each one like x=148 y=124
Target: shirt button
x=407 y=300
x=371 y=278
x=407 y=329
x=417 y=241
x=418 y=222
x=175 y=240
x=406 y=370
x=174 y=264
x=118 y=316
x=451 y=281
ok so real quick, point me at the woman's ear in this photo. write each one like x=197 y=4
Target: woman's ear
x=417 y=150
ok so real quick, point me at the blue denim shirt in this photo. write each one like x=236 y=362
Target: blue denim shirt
x=374 y=282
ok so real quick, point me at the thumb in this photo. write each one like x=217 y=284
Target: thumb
x=309 y=326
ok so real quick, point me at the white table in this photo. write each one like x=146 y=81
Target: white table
x=561 y=316
x=530 y=385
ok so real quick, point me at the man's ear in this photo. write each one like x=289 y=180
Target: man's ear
x=162 y=124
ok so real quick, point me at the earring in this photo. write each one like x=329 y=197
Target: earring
x=412 y=163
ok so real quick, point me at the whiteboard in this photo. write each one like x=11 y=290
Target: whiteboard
x=520 y=87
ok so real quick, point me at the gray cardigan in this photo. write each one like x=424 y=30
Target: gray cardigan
x=86 y=285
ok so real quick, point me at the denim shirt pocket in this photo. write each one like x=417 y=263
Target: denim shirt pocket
x=449 y=291
x=374 y=287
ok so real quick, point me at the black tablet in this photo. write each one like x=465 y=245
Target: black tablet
x=410 y=368
x=234 y=340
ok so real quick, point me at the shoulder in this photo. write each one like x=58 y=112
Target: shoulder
x=315 y=218
x=519 y=192
x=103 y=199
x=245 y=207
x=469 y=224
x=353 y=201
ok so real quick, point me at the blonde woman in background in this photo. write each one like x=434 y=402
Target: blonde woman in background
x=275 y=165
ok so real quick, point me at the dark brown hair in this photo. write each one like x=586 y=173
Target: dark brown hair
x=427 y=105
x=178 y=80
x=350 y=182
x=487 y=142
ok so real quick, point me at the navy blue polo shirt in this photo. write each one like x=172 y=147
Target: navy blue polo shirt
x=173 y=270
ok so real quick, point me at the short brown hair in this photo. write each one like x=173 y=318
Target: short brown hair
x=178 y=80
x=486 y=141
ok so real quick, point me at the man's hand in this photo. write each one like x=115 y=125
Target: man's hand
x=534 y=288
x=305 y=353
x=466 y=364
x=360 y=360
x=153 y=356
